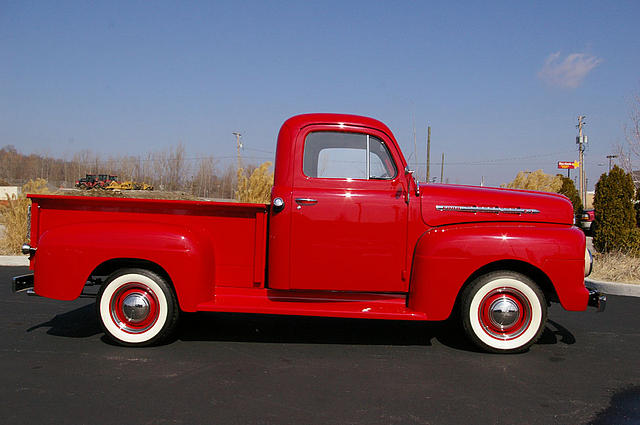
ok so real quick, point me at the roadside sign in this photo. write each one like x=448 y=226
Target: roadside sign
x=568 y=165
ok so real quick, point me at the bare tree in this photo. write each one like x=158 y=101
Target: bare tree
x=205 y=181
x=624 y=157
x=176 y=167
x=632 y=135
x=228 y=182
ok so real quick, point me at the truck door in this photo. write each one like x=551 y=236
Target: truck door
x=348 y=212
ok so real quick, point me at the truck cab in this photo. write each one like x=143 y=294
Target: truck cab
x=347 y=202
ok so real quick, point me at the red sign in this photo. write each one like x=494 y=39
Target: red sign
x=568 y=165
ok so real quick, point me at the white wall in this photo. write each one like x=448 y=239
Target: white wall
x=12 y=191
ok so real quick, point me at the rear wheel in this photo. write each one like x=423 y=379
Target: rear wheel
x=137 y=307
x=503 y=312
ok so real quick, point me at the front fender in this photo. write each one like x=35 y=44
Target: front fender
x=67 y=255
x=446 y=257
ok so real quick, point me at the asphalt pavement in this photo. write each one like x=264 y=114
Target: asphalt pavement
x=57 y=368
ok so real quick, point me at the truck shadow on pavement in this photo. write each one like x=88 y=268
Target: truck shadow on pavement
x=302 y=329
x=322 y=330
x=79 y=323
x=236 y=327
x=554 y=332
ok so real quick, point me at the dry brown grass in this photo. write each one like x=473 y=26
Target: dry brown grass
x=257 y=187
x=14 y=217
x=616 y=267
x=140 y=194
x=536 y=180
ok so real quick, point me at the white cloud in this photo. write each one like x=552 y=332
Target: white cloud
x=568 y=72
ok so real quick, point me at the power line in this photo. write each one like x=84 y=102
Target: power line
x=495 y=160
x=259 y=150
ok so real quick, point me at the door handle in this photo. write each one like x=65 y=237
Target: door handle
x=305 y=201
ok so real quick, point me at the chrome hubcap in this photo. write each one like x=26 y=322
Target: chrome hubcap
x=135 y=308
x=504 y=312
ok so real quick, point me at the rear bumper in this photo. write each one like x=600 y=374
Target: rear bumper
x=22 y=283
x=597 y=300
x=585 y=225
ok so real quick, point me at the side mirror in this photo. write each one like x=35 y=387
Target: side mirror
x=409 y=172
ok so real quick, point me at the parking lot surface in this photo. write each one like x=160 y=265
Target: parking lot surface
x=56 y=367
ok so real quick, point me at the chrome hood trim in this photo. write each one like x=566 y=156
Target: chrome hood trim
x=495 y=210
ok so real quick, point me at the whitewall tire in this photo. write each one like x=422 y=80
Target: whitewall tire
x=503 y=312
x=137 y=307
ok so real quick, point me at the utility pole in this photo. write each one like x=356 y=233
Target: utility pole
x=239 y=143
x=610 y=157
x=581 y=140
x=442 y=168
x=428 y=151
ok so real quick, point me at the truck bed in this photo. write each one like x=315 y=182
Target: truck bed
x=236 y=232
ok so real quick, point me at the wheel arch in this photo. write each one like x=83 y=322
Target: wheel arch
x=108 y=267
x=440 y=304
x=539 y=277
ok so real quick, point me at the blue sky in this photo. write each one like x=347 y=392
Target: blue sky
x=500 y=83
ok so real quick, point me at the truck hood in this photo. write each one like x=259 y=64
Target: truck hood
x=450 y=204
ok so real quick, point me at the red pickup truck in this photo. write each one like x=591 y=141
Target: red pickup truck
x=349 y=233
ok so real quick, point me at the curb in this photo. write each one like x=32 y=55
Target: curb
x=14 y=260
x=614 y=288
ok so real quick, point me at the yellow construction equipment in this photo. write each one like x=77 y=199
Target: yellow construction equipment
x=129 y=185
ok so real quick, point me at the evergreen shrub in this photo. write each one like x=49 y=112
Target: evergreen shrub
x=569 y=190
x=615 y=216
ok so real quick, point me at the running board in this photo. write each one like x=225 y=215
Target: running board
x=312 y=303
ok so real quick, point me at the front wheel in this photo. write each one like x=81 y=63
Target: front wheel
x=503 y=312
x=137 y=307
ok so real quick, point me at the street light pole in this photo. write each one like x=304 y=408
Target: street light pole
x=580 y=141
x=610 y=157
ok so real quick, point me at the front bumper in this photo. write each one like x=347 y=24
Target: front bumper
x=597 y=300
x=23 y=283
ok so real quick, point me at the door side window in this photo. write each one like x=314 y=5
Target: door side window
x=338 y=155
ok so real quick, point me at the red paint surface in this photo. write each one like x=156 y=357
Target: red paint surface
x=361 y=251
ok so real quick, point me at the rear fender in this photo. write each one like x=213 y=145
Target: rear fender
x=67 y=255
x=447 y=257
